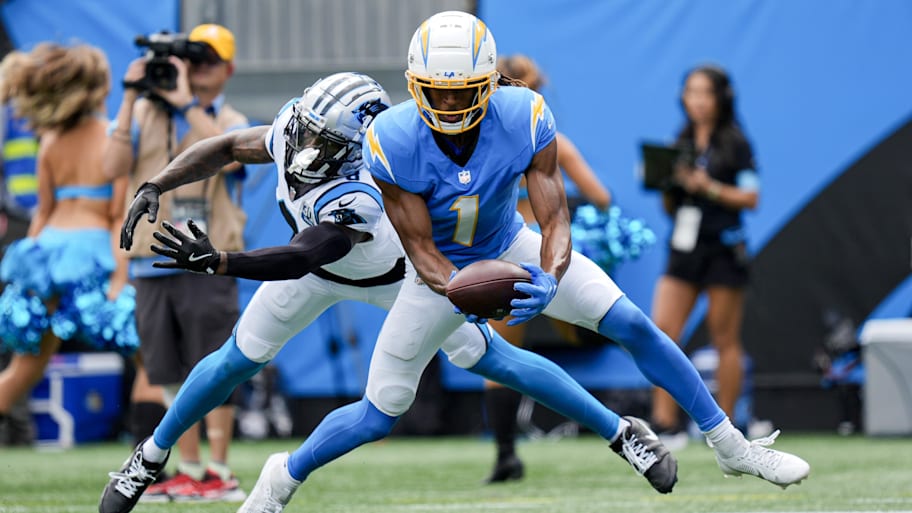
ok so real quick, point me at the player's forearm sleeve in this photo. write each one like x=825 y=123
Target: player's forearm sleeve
x=311 y=248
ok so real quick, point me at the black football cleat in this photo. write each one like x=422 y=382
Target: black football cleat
x=509 y=468
x=640 y=446
x=128 y=484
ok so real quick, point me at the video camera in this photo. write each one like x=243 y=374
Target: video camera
x=160 y=72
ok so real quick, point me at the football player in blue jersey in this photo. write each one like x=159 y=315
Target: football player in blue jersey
x=448 y=164
x=344 y=247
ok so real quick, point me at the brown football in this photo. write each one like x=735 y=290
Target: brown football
x=485 y=288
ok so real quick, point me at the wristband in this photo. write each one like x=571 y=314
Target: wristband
x=149 y=185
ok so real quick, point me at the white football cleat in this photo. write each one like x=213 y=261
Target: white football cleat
x=777 y=467
x=273 y=489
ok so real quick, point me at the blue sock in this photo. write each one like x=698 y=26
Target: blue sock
x=338 y=433
x=661 y=361
x=542 y=380
x=208 y=386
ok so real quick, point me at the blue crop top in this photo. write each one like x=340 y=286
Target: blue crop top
x=98 y=192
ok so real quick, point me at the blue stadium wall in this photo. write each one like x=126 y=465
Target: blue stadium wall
x=822 y=90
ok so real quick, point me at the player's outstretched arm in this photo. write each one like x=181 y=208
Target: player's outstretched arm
x=199 y=161
x=311 y=248
x=205 y=158
x=410 y=217
x=549 y=203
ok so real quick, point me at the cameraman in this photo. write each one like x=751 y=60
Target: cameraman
x=181 y=317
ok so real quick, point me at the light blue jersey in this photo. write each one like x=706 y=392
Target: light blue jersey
x=472 y=207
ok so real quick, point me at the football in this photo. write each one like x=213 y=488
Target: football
x=485 y=288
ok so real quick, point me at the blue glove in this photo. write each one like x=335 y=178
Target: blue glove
x=541 y=291
x=474 y=319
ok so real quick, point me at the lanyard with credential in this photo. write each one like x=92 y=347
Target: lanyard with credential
x=184 y=209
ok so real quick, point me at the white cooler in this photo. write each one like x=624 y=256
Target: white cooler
x=887 y=352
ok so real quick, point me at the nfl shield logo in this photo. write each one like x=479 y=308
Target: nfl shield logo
x=465 y=176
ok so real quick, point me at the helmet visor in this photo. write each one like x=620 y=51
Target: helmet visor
x=302 y=134
x=333 y=150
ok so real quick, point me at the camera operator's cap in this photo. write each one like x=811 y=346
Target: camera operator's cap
x=218 y=37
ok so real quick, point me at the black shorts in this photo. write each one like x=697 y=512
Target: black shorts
x=711 y=264
x=180 y=319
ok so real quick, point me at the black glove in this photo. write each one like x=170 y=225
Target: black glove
x=191 y=253
x=144 y=202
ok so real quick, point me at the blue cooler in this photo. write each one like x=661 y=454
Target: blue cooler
x=78 y=400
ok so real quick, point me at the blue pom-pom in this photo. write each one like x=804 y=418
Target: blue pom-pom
x=74 y=268
x=608 y=238
x=26 y=321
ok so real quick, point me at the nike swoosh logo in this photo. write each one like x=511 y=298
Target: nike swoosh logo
x=346 y=204
x=197 y=258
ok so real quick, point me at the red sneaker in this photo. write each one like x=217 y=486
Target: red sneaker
x=161 y=492
x=211 y=489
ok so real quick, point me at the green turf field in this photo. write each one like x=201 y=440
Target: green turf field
x=443 y=474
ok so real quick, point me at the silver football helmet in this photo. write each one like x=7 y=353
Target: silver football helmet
x=323 y=137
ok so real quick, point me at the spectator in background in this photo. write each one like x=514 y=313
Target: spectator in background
x=502 y=403
x=153 y=127
x=715 y=181
x=65 y=280
x=18 y=198
x=20 y=152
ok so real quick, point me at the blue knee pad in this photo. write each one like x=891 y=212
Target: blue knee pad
x=544 y=381
x=208 y=386
x=338 y=433
x=661 y=361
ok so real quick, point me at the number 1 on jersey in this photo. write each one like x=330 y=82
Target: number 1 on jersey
x=466 y=208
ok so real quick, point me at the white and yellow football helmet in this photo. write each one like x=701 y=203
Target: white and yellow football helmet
x=452 y=50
